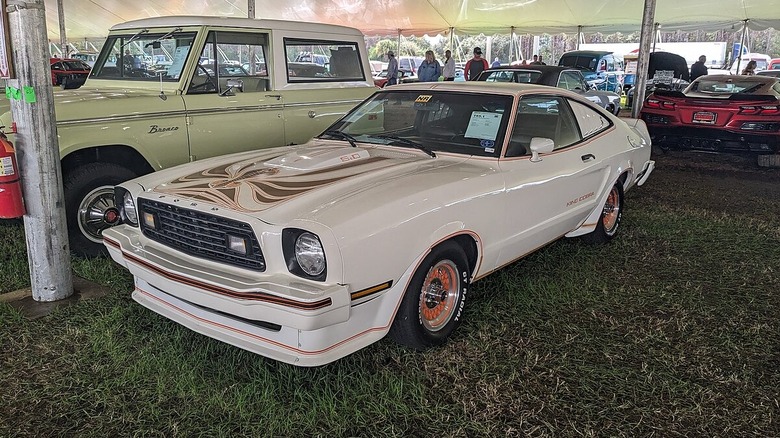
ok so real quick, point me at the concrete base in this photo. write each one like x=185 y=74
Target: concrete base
x=22 y=300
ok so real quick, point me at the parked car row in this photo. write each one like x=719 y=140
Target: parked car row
x=69 y=72
x=306 y=250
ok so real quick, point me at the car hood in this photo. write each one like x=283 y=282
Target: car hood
x=90 y=101
x=304 y=182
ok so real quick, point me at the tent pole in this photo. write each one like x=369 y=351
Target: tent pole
x=643 y=62
x=512 y=44
x=452 y=38
x=657 y=34
x=399 y=42
x=579 y=36
x=63 y=37
x=742 y=43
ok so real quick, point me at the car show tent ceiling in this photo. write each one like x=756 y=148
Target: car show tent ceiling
x=93 y=18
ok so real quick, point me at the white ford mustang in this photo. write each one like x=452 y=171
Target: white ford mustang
x=307 y=253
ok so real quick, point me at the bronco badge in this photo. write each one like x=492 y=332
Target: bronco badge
x=154 y=129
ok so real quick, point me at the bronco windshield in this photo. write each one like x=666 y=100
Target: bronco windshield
x=434 y=121
x=144 y=56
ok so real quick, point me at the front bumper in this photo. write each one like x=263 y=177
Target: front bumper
x=294 y=322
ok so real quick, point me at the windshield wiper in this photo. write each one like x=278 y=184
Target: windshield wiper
x=178 y=29
x=407 y=142
x=341 y=135
x=134 y=37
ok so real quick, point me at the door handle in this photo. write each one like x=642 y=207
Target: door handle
x=588 y=157
x=277 y=96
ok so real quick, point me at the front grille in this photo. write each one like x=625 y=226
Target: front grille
x=200 y=234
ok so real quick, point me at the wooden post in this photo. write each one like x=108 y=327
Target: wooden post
x=38 y=154
x=645 y=39
x=63 y=37
x=250 y=9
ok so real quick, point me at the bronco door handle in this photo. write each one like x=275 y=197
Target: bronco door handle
x=588 y=157
x=277 y=96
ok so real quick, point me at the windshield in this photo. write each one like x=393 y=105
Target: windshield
x=583 y=62
x=471 y=124
x=144 y=56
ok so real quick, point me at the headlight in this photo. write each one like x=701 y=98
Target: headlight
x=304 y=254
x=309 y=254
x=126 y=206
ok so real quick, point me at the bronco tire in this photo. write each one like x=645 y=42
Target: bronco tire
x=609 y=221
x=432 y=306
x=89 y=204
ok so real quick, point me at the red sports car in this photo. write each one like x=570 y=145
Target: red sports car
x=68 y=72
x=717 y=113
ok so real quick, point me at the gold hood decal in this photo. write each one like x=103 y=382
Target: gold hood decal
x=250 y=186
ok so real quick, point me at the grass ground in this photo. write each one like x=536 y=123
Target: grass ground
x=670 y=330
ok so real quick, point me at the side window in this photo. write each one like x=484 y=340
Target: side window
x=610 y=63
x=57 y=66
x=323 y=61
x=542 y=116
x=589 y=120
x=500 y=76
x=570 y=81
x=238 y=57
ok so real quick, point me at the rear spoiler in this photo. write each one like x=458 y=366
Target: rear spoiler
x=668 y=93
x=752 y=97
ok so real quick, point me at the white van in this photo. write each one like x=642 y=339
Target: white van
x=762 y=62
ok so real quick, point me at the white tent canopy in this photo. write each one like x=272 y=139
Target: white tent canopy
x=92 y=18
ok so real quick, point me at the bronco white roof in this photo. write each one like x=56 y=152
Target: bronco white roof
x=249 y=23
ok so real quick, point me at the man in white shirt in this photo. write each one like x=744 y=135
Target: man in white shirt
x=449 y=66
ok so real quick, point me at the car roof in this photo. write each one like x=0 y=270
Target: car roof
x=587 y=53
x=251 y=23
x=534 y=67
x=746 y=78
x=486 y=87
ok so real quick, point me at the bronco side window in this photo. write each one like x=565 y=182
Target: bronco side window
x=323 y=61
x=236 y=58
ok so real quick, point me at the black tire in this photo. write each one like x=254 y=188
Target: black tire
x=430 y=310
x=89 y=194
x=609 y=221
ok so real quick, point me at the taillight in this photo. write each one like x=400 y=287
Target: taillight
x=764 y=110
x=660 y=104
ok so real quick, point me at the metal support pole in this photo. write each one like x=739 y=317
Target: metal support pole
x=657 y=34
x=512 y=56
x=63 y=36
x=452 y=39
x=579 y=36
x=646 y=37
x=742 y=44
x=399 y=42
x=38 y=154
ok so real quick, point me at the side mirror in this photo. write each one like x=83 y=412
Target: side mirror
x=154 y=45
x=233 y=84
x=540 y=145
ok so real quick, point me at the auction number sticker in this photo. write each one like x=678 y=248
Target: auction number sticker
x=423 y=98
x=6 y=166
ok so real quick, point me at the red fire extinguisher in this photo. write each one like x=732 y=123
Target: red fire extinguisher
x=11 y=205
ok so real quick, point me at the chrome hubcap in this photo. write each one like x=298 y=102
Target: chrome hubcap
x=97 y=212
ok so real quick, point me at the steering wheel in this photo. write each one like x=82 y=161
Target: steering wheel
x=208 y=85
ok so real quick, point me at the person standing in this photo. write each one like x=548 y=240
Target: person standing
x=449 y=66
x=475 y=65
x=392 y=68
x=429 y=70
x=496 y=63
x=698 y=68
x=536 y=60
x=750 y=68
